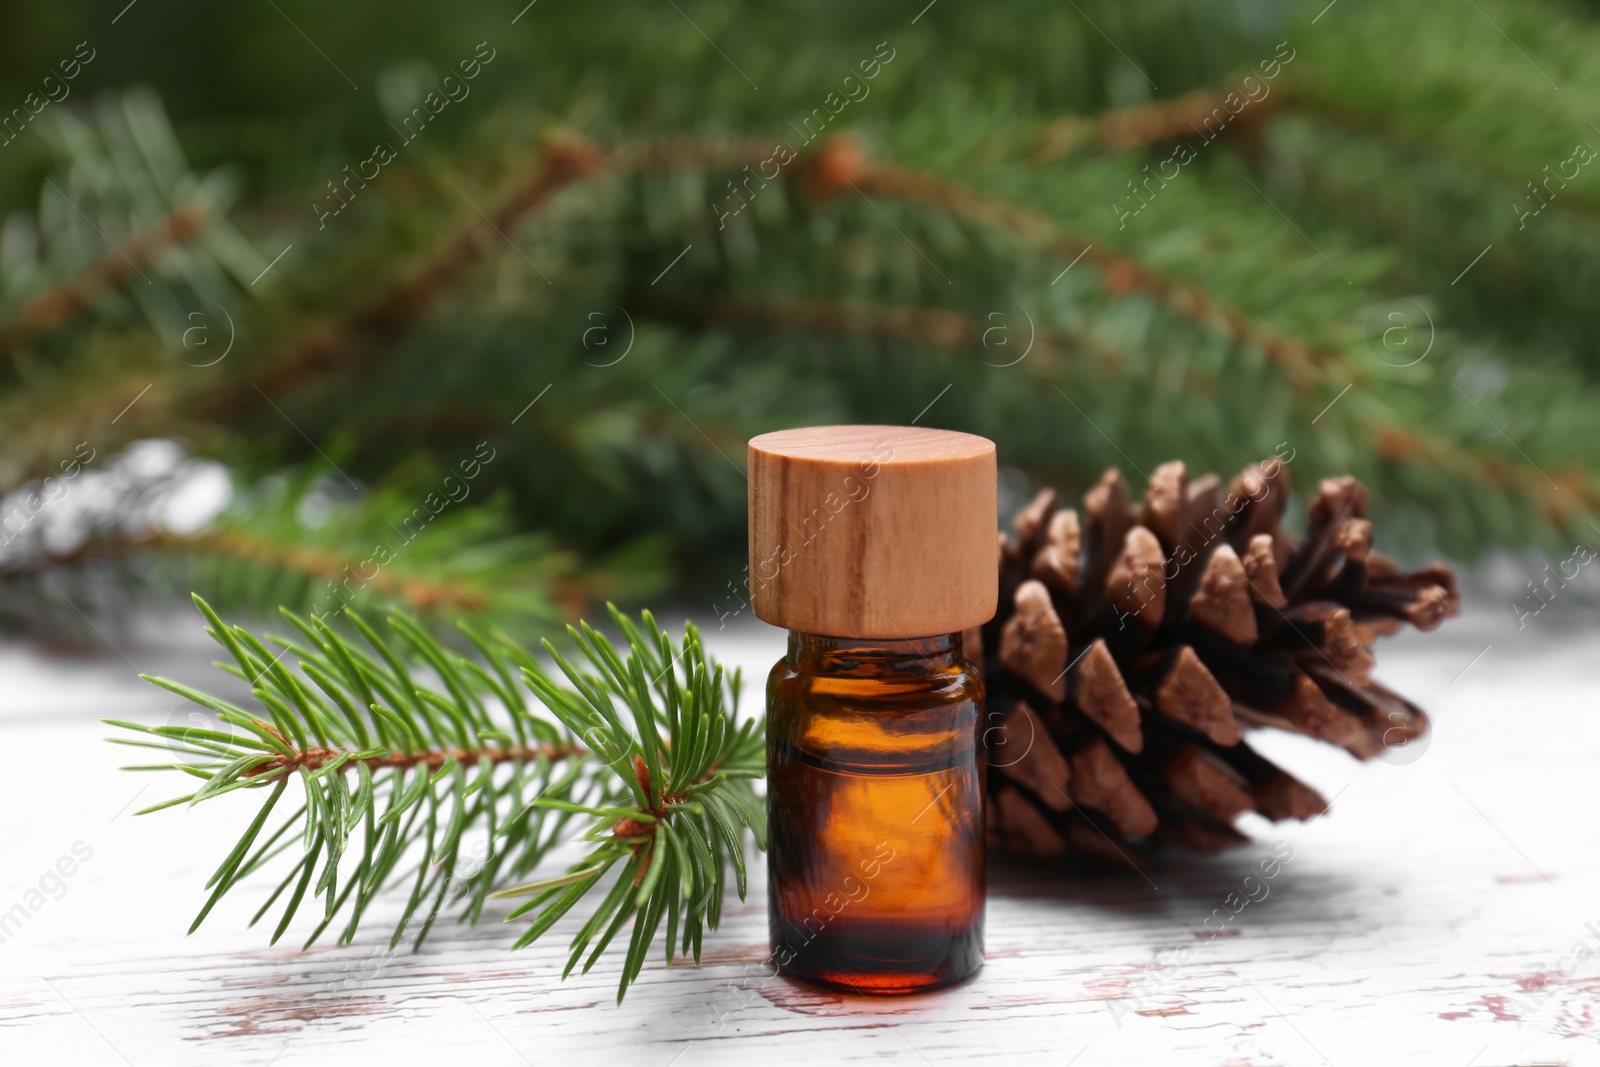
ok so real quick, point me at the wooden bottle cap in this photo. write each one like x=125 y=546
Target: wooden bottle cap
x=873 y=531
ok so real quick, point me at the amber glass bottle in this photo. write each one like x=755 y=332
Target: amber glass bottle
x=862 y=538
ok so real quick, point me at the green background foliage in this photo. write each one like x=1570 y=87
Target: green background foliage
x=1253 y=289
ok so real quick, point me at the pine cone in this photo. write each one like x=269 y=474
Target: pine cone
x=1132 y=649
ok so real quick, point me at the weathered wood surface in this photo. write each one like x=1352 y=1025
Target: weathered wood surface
x=1431 y=918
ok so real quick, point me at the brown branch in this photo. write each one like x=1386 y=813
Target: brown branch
x=1560 y=496
x=958 y=332
x=1388 y=126
x=322 y=348
x=95 y=549
x=938 y=327
x=64 y=302
x=1154 y=123
x=1302 y=363
x=419 y=594
x=916 y=325
x=312 y=759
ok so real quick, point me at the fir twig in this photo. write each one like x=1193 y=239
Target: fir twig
x=643 y=758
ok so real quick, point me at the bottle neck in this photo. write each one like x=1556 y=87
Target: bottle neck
x=821 y=654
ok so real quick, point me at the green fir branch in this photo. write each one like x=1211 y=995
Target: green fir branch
x=431 y=544
x=402 y=746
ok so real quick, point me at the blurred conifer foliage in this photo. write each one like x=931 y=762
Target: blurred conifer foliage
x=468 y=310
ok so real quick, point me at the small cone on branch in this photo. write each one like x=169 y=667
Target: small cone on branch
x=1136 y=642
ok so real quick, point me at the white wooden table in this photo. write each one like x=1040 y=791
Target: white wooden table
x=1425 y=920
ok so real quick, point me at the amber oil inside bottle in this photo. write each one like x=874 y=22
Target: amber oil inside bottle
x=875 y=804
